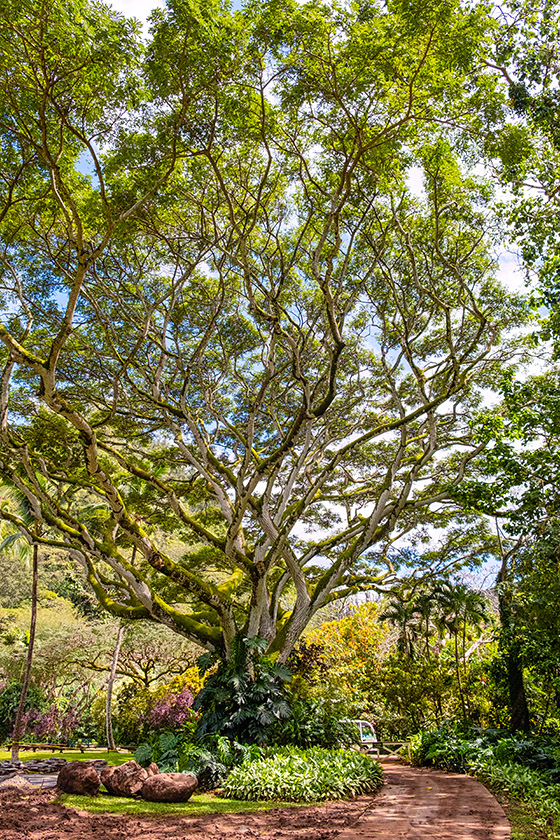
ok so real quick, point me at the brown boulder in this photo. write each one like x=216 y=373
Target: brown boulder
x=125 y=780
x=106 y=774
x=152 y=769
x=79 y=777
x=169 y=787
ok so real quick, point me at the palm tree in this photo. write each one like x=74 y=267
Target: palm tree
x=401 y=614
x=460 y=607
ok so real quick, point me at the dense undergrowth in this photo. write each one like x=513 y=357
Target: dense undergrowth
x=312 y=775
x=522 y=769
x=250 y=772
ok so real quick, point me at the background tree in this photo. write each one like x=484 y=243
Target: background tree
x=110 y=683
x=18 y=724
x=518 y=485
x=148 y=655
x=459 y=607
x=359 y=665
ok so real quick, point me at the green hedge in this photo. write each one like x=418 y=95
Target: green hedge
x=290 y=774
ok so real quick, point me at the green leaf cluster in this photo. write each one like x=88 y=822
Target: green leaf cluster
x=295 y=775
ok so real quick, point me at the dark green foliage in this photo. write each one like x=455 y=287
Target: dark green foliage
x=449 y=749
x=164 y=749
x=9 y=700
x=143 y=754
x=293 y=775
x=213 y=758
x=205 y=764
x=244 y=698
x=210 y=759
x=313 y=723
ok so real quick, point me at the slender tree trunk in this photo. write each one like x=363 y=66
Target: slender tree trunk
x=458 y=672
x=110 y=684
x=16 y=736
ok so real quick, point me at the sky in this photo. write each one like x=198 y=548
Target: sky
x=136 y=8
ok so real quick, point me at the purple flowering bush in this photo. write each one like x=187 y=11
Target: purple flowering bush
x=174 y=711
x=170 y=727
x=52 y=724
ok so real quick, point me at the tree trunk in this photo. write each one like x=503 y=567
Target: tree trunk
x=110 y=684
x=520 y=721
x=16 y=736
x=458 y=673
x=519 y=709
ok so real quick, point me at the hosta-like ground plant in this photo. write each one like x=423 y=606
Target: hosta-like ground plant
x=294 y=775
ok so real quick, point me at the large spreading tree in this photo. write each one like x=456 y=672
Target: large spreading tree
x=241 y=345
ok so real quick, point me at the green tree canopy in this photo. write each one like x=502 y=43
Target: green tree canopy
x=240 y=352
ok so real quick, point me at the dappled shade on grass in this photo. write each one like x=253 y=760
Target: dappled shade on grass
x=202 y=803
x=109 y=757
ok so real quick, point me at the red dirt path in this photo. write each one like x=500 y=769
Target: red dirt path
x=413 y=804
x=421 y=804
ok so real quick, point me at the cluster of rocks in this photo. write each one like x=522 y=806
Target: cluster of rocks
x=128 y=779
x=8 y=769
x=45 y=765
x=34 y=765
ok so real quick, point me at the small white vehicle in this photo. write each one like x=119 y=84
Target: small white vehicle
x=368 y=737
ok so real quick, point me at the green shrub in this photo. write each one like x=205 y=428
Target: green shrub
x=453 y=750
x=164 y=748
x=290 y=774
x=526 y=785
x=447 y=750
x=314 y=723
x=210 y=758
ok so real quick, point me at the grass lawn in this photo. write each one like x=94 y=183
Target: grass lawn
x=70 y=755
x=201 y=803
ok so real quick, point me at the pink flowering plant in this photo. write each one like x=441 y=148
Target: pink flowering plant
x=52 y=724
x=173 y=712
